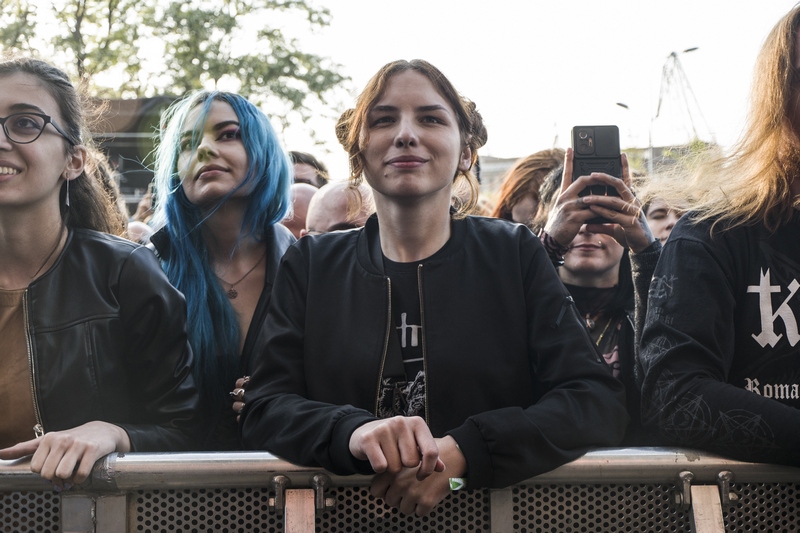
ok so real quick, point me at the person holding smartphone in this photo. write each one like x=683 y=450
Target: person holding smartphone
x=605 y=266
x=429 y=347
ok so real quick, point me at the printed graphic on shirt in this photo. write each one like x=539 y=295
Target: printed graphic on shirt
x=405 y=395
x=691 y=422
x=765 y=289
x=402 y=398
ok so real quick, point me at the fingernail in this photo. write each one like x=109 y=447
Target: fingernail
x=57 y=488
x=67 y=486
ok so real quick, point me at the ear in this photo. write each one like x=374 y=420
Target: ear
x=303 y=233
x=465 y=160
x=76 y=161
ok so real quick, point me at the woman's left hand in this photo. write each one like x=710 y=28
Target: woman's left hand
x=67 y=457
x=412 y=496
x=629 y=225
x=238 y=396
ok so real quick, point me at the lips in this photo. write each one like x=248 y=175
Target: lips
x=208 y=169
x=584 y=246
x=407 y=161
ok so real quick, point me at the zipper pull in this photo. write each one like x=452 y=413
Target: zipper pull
x=38 y=430
x=567 y=302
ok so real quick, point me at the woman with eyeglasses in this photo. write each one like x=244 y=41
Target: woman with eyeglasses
x=94 y=355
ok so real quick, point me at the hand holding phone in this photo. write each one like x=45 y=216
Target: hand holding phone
x=596 y=149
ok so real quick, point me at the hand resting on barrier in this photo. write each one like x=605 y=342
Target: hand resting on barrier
x=412 y=495
x=66 y=457
x=409 y=461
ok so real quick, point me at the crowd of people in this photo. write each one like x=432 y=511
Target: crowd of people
x=377 y=324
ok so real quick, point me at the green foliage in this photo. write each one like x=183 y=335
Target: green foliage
x=206 y=42
x=100 y=35
x=17 y=25
x=109 y=45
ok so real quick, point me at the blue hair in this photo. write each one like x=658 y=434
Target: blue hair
x=212 y=324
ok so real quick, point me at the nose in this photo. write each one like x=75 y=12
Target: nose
x=206 y=149
x=5 y=142
x=584 y=230
x=406 y=133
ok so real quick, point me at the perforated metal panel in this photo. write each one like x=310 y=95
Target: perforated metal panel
x=357 y=511
x=760 y=507
x=223 y=510
x=21 y=512
x=246 y=510
x=596 y=508
x=765 y=507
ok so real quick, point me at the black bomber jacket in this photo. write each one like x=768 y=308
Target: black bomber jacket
x=106 y=336
x=511 y=373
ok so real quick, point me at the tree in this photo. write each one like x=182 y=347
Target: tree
x=110 y=46
x=206 y=43
x=17 y=25
x=102 y=36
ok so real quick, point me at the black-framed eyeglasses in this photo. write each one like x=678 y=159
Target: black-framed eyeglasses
x=24 y=128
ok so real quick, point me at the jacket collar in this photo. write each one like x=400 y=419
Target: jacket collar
x=370 y=255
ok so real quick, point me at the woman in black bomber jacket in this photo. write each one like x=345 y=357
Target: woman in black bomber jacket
x=428 y=346
x=94 y=354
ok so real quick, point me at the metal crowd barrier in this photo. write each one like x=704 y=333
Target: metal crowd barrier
x=619 y=489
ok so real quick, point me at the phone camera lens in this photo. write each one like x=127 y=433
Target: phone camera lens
x=583 y=135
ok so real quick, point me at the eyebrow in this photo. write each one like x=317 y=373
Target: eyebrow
x=421 y=109
x=27 y=107
x=218 y=126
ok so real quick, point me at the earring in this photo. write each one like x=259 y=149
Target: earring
x=67 y=195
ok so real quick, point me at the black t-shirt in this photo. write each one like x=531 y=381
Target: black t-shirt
x=405 y=395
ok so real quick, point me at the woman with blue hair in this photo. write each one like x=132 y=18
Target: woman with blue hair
x=221 y=186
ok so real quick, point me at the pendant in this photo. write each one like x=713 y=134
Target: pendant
x=232 y=293
x=590 y=324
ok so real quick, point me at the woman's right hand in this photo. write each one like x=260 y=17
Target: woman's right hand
x=395 y=443
x=67 y=457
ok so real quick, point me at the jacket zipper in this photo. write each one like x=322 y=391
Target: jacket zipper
x=385 y=344
x=38 y=429
x=564 y=306
x=424 y=351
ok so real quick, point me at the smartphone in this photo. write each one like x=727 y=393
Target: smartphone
x=596 y=149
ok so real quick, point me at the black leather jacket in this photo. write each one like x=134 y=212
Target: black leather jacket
x=107 y=341
x=222 y=434
x=510 y=371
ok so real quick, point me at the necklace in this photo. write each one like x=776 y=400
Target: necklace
x=590 y=323
x=233 y=293
x=603 y=334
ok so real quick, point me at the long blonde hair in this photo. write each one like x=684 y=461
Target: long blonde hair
x=751 y=184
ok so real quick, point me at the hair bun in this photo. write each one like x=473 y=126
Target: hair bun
x=343 y=128
x=478 y=133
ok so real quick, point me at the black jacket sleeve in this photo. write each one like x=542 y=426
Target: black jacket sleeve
x=157 y=357
x=686 y=356
x=643 y=265
x=277 y=413
x=574 y=390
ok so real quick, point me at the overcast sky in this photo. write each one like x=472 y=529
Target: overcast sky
x=536 y=68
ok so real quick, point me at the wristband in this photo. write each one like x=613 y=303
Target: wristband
x=457 y=483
